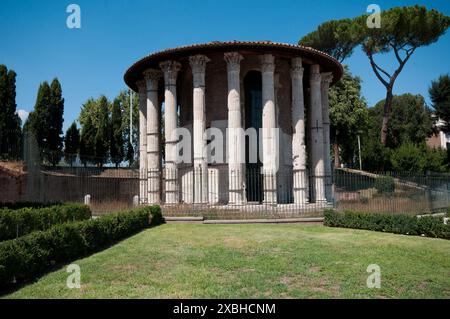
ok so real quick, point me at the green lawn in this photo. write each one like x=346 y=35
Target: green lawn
x=256 y=261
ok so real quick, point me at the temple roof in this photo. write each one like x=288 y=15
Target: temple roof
x=309 y=56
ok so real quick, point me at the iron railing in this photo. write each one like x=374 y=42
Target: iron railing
x=260 y=195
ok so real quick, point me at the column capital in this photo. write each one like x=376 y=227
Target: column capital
x=233 y=60
x=315 y=73
x=152 y=77
x=170 y=69
x=142 y=86
x=326 y=79
x=152 y=74
x=267 y=63
x=296 y=67
x=198 y=63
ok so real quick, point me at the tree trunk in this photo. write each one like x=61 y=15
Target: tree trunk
x=337 y=158
x=386 y=116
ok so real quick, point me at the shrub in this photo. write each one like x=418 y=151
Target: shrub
x=16 y=223
x=19 y=205
x=156 y=215
x=384 y=185
x=28 y=256
x=375 y=156
x=418 y=158
x=434 y=160
x=407 y=158
x=429 y=226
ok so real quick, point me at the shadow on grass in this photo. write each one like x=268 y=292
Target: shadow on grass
x=13 y=287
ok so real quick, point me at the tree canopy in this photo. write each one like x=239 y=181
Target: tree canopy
x=415 y=158
x=105 y=132
x=71 y=144
x=124 y=98
x=338 y=38
x=348 y=116
x=440 y=97
x=10 y=123
x=46 y=121
x=87 y=142
x=117 y=134
x=410 y=122
x=402 y=31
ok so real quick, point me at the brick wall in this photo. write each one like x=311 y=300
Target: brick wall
x=12 y=185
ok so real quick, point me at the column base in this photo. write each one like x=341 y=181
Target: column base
x=236 y=197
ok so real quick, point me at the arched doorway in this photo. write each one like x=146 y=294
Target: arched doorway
x=253 y=119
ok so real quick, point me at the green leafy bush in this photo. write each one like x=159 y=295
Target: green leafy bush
x=28 y=256
x=19 y=205
x=16 y=223
x=418 y=158
x=375 y=156
x=429 y=226
x=384 y=185
x=407 y=158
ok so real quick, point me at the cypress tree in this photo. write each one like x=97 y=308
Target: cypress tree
x=71 y=144
x=102 y=135
x=117 y=138
x=10 y=124
x=46 y=121
x=130 y=154
x=55 y=115
x=3 y=107
x=87 y=140
x=39 y=119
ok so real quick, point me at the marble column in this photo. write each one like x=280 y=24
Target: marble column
x=317 y=170
x=153 y=127
x=269 y=130
x=142 y=142
x=300 y=176
x=198 y=66
x=326 y=81
x=235 y=138
x=170 y=69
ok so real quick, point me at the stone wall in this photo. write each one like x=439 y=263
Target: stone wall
x=12 y=185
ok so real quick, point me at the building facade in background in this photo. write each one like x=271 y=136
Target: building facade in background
x=440 y=139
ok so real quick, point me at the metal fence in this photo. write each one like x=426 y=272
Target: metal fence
x=109 y=189
x=261 y=195
x=113 y=189
x=391 y=192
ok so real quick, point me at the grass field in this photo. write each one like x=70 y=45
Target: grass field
x=256 y=261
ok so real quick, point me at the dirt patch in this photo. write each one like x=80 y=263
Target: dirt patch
x=310 y=284
x=235 y=242
x=247 y=270
x=286 y=280
x=323 y=286
x=423 y=285
x=315 y=269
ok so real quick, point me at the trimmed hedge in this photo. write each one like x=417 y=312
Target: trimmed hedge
x=17 y=223
x=429 y=226
x=19 y=205
x=28 y=256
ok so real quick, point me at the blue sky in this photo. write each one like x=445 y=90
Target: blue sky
x=36 y=43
